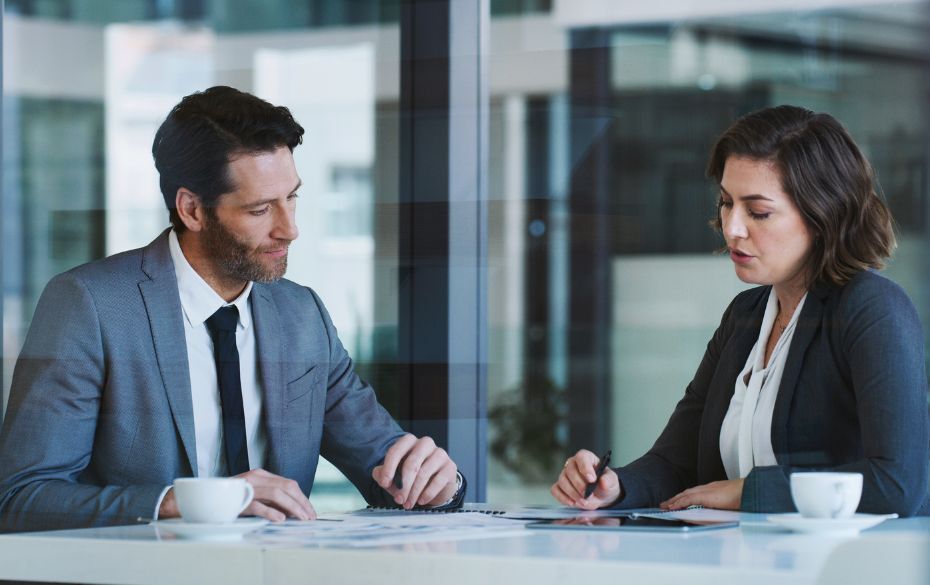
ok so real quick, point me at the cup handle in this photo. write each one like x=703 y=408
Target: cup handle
x=249 y=494
x=839 y=500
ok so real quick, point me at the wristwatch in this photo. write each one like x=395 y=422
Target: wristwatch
x=457 y=499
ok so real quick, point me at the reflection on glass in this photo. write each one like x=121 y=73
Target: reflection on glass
x=87 y=83
x=606 y=115
x=599 y=124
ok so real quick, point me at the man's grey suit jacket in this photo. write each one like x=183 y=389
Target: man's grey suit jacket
x=100 y=416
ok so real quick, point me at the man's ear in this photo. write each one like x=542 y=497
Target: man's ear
x=190 y=209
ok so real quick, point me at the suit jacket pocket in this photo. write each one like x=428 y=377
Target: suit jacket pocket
x=302 y=386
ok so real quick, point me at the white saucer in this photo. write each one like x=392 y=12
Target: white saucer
x=210 y=530
x=846 y=526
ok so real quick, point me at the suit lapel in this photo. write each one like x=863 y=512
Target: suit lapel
x=269 y=341
x=733 y=356
x=163 y=306
x=808 y=325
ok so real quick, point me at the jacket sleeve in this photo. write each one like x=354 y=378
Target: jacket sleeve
x=48 y=432
x=670 y=466
x=881 y=342
x=357 y=430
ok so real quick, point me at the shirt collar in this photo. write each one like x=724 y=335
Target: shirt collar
x=198 y=299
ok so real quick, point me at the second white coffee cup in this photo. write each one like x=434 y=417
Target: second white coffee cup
x=820 y=494
x=212 y=499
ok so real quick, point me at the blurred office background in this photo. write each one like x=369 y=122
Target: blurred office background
x=596 y=274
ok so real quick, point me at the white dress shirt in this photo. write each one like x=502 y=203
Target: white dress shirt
x=199 y=301
x=746 y=433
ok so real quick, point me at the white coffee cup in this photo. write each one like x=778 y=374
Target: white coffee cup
x=212 y=499
x=824 y=494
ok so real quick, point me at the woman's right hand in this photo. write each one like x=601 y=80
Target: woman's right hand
x=578 y=472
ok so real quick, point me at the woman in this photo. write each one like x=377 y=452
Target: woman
x=820 y=368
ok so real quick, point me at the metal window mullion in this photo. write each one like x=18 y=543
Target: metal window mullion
x=468 y=163
x=442 y=312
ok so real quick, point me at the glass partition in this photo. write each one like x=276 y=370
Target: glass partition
x=86 y=85
x=604 y=286
x=602 y=283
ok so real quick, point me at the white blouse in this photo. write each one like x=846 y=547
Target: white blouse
x=746 y=433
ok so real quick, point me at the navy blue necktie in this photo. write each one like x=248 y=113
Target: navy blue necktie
x=222 y=326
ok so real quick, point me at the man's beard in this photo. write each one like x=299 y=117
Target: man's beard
x=234 y=258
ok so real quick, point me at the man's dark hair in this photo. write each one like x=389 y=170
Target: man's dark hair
x=205 y=131
x=827 y=177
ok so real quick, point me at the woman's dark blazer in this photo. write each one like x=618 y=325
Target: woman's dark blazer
x=853 y=397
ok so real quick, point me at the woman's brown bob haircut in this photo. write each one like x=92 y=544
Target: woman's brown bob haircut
x=826 y=176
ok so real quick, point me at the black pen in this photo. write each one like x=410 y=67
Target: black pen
x=598 y=472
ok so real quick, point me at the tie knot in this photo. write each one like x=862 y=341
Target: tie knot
x=224 y=319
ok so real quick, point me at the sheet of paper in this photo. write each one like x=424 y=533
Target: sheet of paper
x=550 y=513
x=385 y=528
x=690 y=514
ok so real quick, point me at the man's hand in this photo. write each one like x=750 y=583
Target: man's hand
x=426 y=474
x=276 y=498
x=168 y=507
x=578 y=472
x=723 y=495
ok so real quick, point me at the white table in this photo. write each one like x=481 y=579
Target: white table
x=896 y=552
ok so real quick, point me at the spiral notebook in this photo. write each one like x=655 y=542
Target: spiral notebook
x=480 y=508
x=537 y=513
x=512 y=512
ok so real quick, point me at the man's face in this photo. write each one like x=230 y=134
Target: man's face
x=246 y=236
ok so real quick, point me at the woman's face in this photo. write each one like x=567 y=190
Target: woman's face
x=768 y=240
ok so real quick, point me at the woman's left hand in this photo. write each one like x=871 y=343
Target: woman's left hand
x=722 y=495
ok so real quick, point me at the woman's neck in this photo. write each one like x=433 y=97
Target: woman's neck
x=789 y=296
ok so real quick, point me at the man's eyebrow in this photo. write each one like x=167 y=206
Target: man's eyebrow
x=268 y=200
x=750 y=197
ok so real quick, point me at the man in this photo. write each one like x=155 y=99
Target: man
x=193 y=357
